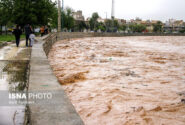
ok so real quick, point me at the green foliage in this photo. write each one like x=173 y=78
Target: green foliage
x=112 y=25
x=122 y=27
x=80 y=26
x=182 y=30
x=6 y=7
x=102 y=27
x=158 y=27
x=116 y=24
x=108 y=23
x=67 y=19
x=35 y=12
x=54 y=18
x=137 y=28
x=8 y=38
x=93 y=21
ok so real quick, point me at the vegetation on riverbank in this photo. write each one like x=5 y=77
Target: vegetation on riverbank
x=8 y=38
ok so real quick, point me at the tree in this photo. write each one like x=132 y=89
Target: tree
x=122 y=27
x=108 y=23
x=35 y=12
x=69 y=22
x=6 y=7
x=182 y=30
x=54 y=18
x=101 y=26
x=158 y=27
x=93 y=21
x=1 y=13
x=80 y=26
x=112 y=25
x=67 y=19
x=116 y=24
x=137 y=28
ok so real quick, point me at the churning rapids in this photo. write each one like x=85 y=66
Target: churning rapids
x=125 y=80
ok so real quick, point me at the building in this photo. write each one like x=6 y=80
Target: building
x=121 y=21
x=78 y=15
x=101 y=20
x=173 y=25
x=148 y=23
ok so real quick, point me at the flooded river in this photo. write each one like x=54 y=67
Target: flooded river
x=14 y=65
x=125 y=80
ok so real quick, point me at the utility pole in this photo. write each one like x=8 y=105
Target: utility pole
x=105 y=21
x=59 y=16
x=63 y=14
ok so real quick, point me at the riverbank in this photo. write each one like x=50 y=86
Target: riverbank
x=9 y=38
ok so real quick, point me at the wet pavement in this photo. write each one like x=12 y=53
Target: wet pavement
x=125 y=80
x=14 y=65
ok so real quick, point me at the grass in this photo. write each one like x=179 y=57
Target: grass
x=8 y=38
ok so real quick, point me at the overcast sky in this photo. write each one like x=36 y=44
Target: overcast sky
x=130 y=9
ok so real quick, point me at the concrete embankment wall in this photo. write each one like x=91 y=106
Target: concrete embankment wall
x=52 y=38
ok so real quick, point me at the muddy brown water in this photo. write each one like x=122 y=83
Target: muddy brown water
x=14 y=67
x=125 y=80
